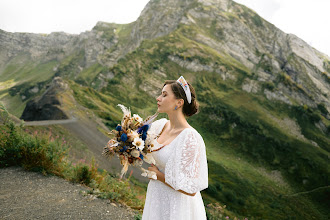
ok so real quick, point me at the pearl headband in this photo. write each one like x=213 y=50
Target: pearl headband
x=185 y=87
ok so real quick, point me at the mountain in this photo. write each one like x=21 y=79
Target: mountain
x=264 y=94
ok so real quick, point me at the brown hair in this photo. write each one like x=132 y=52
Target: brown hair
x=188 y=109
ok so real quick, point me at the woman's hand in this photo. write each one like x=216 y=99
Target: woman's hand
x=155 y=169
x=161 y=178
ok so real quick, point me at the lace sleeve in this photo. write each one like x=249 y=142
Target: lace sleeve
x=187 y=167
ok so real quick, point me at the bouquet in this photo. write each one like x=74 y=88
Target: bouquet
x=132 y=142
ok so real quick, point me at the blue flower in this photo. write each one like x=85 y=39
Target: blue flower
x=144 y=136
x=141 y=156
x=123 y=137
x=124 y=149
x=144 y=128
x=118 y=128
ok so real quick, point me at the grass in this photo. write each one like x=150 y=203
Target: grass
x=241 y=185
x=244 y=130
x=33 y=153
x=77 y=151
x=28 y=72
x=86 y=76
x=18 y=79
x=69 y=66
x=14 y=104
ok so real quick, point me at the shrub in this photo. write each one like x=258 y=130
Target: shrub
x=322 y=108
x=37 y=153
x=269 y=85
x=84 y=173
x=215 y=211
x=138 y=217
x=257 y=20
x=230 y=196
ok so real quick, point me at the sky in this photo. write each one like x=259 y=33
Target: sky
x=307 y=19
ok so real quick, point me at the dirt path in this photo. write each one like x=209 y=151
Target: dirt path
x=49 y=122
x=29 y=195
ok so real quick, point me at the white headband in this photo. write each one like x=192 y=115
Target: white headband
x=185 y=87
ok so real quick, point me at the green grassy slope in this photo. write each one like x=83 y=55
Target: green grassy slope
x=23 y=79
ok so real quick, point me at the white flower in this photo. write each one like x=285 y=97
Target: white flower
x=134 y=134
x=138 y=143
x=135 y=153
x=137 y=118
x=137 y=162
x=152 y=175
x=148 y=158
x=112 y=143
x=149 y=140
x=149 y=174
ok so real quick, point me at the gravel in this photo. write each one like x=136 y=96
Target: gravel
x=30 y=195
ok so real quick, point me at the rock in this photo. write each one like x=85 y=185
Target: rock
x=320 y=125
x=48 y=106
x=194 y=65
x=54 y=46
x=250 y=86
x=277 y=96
x=34 y=89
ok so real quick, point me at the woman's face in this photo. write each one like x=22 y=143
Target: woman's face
x=166 y=101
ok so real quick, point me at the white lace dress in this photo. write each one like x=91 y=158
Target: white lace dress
x=184 y=164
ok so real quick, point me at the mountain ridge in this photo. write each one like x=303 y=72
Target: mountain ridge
x=250 y=51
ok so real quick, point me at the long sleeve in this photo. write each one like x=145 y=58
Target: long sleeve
x=186 y=168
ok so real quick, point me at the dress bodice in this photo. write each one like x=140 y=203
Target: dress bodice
x=162 y=156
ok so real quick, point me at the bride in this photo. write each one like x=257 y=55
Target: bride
x=179 y=152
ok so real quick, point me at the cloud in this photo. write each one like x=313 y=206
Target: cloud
x=303 y=18
x=265 y=10
x=72 y=16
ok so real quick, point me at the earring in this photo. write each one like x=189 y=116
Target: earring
x=176 y=107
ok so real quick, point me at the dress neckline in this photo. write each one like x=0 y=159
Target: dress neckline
x=172 y=140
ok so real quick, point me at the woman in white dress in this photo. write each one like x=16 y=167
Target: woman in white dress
x=179 y=152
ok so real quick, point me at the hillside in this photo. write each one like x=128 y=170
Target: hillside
x=264 y=94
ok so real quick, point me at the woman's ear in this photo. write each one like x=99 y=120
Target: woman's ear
x=180 y=103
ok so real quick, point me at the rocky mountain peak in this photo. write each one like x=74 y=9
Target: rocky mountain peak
x=159 y=18
x=54 y=46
